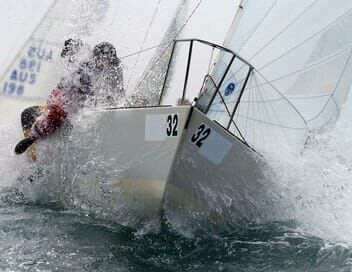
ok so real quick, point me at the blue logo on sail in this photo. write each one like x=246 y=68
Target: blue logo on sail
x=230 y=89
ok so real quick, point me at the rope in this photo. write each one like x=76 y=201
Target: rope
x=288 y=101
x=169 y=43
x=144 y=40
x=280 y=32
x=306 y=40
x=284 y=29
x=258 y=25
x=144 y=50
x=332 y=94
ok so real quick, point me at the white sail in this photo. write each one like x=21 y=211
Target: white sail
x=152 y=79
x=302 y=49
x=137 y=28
x=301 y=57
x=145 y=54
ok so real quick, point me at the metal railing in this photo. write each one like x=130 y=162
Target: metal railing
x=233 y=56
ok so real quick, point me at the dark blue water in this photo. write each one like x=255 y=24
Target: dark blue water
x=34 y=237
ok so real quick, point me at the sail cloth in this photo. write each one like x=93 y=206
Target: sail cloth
x=302 y=48
x=152 y=79
x=36 y=69
x=301 y=53
x=137 y=28
x=141 y=31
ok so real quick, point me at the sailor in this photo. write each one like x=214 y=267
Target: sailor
x=99 y=78
x=71 y=48
x=30 y=115
x=110 y=87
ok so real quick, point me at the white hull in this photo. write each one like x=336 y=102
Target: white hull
x=127 y=153
x=219 y=185
x=149 y=173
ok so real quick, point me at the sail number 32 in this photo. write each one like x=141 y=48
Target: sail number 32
x=200 y=135
x=172 y=122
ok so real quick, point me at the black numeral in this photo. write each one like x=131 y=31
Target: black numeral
x=172 y=122
x=200 y=135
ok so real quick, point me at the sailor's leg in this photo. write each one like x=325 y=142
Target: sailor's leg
x=28 y=118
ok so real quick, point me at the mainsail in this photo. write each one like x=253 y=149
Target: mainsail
x=301 y=58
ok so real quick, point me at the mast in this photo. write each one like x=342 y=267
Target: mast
x=235 y=22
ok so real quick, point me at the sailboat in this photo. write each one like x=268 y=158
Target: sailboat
x=294 y=86
x=198 y=156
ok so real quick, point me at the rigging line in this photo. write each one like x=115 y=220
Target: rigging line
x=229 y=114
x=260 y=110
x=261 y=92
x=291 y=98
x=320 y=62
x=284 y=29
x=238 y=84
x=27 y=41
x=144 y=50
x=258 y=25
x=238 y=131
x=271 y=124
x=155 y=46
x=337 y=85
x=235 y=72
x=288 y=101
x=176 y=35
x=264 y=110
x=280 y=32
x=306 y=40
x=268 y=129
x=237 y=122
x=251 y=118
x=249 y=97
x=246 y=117
x=189 y=17
x=143 y=43
x=313 y=65
x=272 y=109
x=253 y=129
